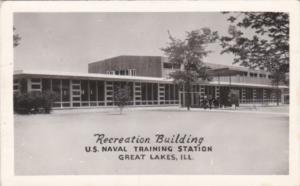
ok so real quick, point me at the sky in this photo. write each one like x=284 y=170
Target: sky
x=67 y=42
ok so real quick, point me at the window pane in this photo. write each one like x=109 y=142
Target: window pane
x=172 y=92
x=46 y=84
x=35 y=80
x=66 y=90
x=167 y=91
x=56 y=88
x=100 y=91
x=84 y=90
x=92 y=90
x=155 y=91
x=149 y=91
x=144 y=92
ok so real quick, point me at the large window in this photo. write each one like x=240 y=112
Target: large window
x=155 y=92
x=84 y=91
x=249 y=94
x=93 y=90
x=46 y=84
x=172 y=96
x=144 y=91
x=66 y=90
x=100 y=91
x=56 y=88
x=177 y=92
x=149 y=91
x=167 y=93
x=259 y=93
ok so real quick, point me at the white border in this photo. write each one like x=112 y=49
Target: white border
x=6 y=71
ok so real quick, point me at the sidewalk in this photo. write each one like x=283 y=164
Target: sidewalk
x=282 y=109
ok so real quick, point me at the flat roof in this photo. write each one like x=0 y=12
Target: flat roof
x=95 y=76
x=89 y=76
x=165 y=59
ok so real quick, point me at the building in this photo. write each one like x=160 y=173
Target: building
x=147 y=78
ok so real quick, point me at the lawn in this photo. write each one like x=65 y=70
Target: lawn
x=243 y=142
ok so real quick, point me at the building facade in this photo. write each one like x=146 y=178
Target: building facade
x=149 y=84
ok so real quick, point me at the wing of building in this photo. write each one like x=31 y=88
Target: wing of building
x=149 y=84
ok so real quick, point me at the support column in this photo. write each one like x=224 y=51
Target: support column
x=217 y=92
x=61 y=93
x=161 y=94
x=254 y=95
x=108 y=93
x=137 y=93
x=243 y=95
x=202 y=93
x=28 y=85
x=264 y=95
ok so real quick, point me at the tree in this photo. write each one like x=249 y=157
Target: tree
x=16 y=38
x=268 y=48
x=122 y=96
x=189 y=54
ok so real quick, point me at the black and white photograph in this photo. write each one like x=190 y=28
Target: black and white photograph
x=151 y=93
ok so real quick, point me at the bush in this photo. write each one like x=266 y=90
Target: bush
x=122 y=97
x=34 y=102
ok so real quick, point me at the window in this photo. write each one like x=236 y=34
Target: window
x=35 y=86
x=100 y=91
x=110 y=72
x=155 y=91
x=144 y=91
x=149 y=91
x=84 y=90
x=46 y=84
x=244 y=74
x=262 y=75
x=16 y=85
x=92 y=90
x=66 y=90
x=167 y=65
x=132 y=72
x=171 y=66
x=35 y=80
x=56 y=88
x=253 y=74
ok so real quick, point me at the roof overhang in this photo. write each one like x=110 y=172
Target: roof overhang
x=224 y=72
x=88 y=76
x=94 y=76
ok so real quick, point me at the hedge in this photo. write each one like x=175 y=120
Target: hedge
x=34 y=102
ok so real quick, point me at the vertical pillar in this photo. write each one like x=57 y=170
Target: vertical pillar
x=28 y=85
x=89 y=93
x=97 y=99
x=202 y=93
x=254 y=95
x=133 y=92
x=243 y=95
x=105 y=98
x=217 y=92
x=109 y=93
x=61 y=93
x=264 y=95
x=161 y=93
x=183 y=96
x=70 y=92
x=137 y=93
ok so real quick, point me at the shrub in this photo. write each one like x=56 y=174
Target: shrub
x=34 y=102
x=122 y=97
